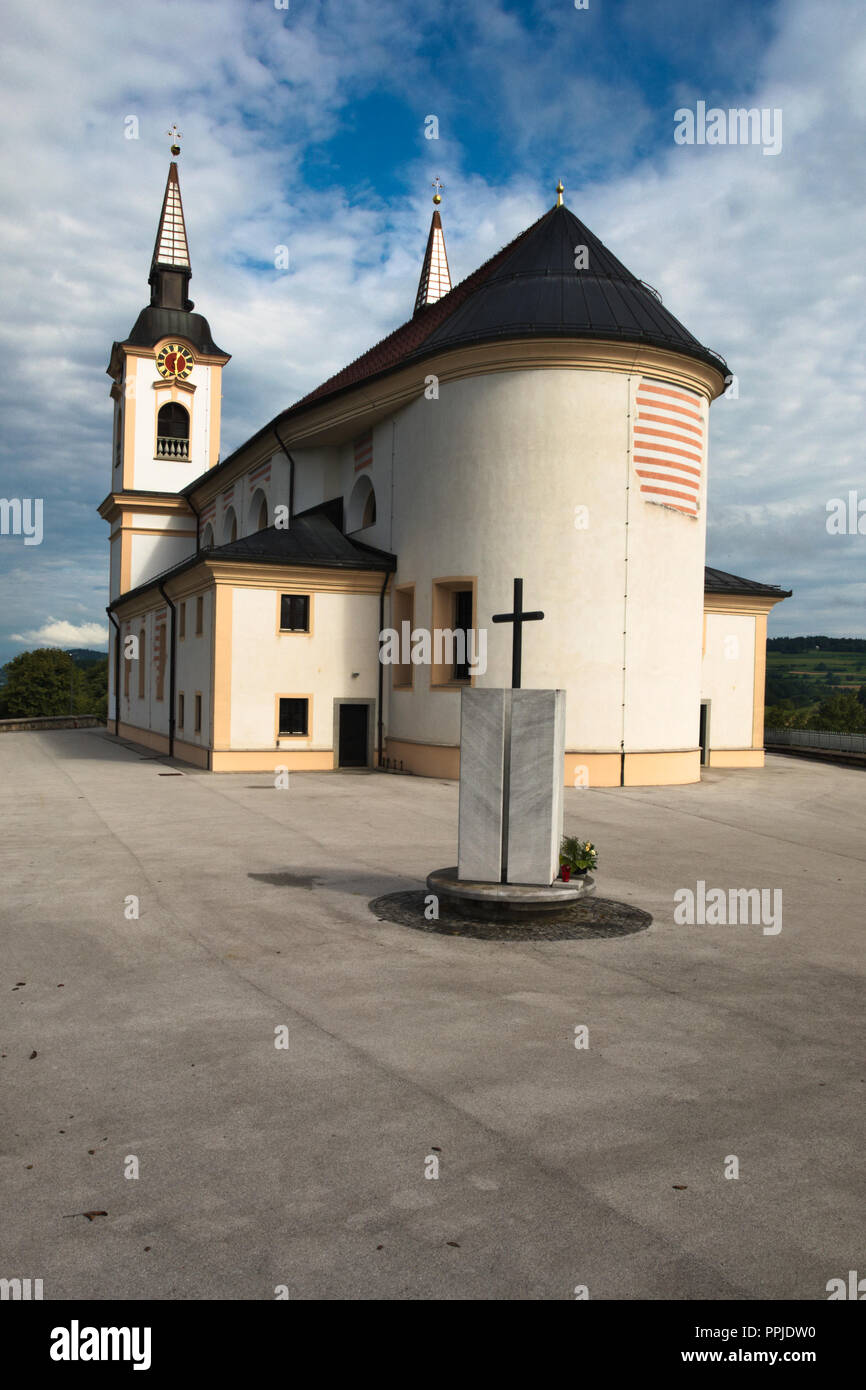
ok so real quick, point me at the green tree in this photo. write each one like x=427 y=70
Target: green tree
x=841 y=712
x=43 y=682
x=95 y=692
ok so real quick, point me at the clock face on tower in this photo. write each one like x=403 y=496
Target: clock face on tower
x=174 y=361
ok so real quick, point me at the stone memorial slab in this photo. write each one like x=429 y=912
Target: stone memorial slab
x=535 y=785
x=483 y=718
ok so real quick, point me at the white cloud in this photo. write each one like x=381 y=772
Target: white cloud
x=760 y=257
x=55 y=632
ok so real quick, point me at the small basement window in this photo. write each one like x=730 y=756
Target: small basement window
x=294 y=716
x=294 y=612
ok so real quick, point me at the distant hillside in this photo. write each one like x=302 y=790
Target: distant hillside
x=83 y=657
x=811 y=644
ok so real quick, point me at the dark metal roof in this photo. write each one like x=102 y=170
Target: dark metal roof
x=528 y=289
x=154 y=323
x=720 y=582
x=531 y=288
x=308 y=540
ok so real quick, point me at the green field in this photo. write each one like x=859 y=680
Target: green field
x=819 y=665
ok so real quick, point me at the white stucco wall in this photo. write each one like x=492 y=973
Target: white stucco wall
x=154 y=554
x=486 y=482
x=267 y=663
x=194 y=667
x=728 y=679
x=168 y=475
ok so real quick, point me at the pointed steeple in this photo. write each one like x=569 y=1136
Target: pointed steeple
x=170 y=268
x=435 y=275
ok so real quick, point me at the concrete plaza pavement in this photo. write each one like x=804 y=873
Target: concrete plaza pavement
x=304 y=1167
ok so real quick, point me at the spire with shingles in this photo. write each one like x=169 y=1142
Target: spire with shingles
x=170 y=268
x=435 y=276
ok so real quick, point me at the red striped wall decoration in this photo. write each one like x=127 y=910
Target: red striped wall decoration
x=668 y=445
x=364 y=450
x=261 y=475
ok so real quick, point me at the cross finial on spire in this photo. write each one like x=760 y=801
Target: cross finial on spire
x=560 y=189
x=437 y=185
x=174 y=136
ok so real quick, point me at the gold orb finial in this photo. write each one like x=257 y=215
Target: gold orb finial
x=175 y=137
x=560 y=189
x=438 y=185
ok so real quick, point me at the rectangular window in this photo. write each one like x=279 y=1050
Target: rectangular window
x=118 y=429
x=182 y=622
x=403 y=611
x=453 y=621
x=142 y=648
x=199 y=615
x=198 y=713
x=180 y=709
x=160 y=661
x=294 y=719
x=462 y=624
x=126 y=665
x=294 y=613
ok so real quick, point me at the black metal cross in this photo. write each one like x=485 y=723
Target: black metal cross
x=518 y=618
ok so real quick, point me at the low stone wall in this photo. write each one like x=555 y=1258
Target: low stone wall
x=60 y=721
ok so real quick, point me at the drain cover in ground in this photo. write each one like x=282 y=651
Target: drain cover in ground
x=594 y=917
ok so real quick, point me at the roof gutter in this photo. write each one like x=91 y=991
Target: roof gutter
x=171 y=670
x=197 y=514
x=380 y=737
x=116 y=672
x=291 y=473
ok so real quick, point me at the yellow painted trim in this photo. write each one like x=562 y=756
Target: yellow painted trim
x=142 y=668
x=424 y=759
x=191 y=753
x=147 y=738
x=744 y=604
x=221 y=668
x=662 y=769
x=602 y=769
x=641 y=769
x=155 y=531
x=251 y=760
x=293 y=695
x=170 y=383
x=215 y=387
x=760 y=674
x=127 y=467
x=736 y=757
x=398 y=671
x=338 y=421
x=294 y=632
x=116 y=504
x=295 y=579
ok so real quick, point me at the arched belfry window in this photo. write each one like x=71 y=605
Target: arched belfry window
x=172 y=432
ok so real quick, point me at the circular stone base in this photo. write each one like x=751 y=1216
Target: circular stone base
x=502 y=901
x=580 y=920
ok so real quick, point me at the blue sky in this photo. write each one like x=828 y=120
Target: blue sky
x=305 y=127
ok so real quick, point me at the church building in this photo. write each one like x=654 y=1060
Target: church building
x=320 y=597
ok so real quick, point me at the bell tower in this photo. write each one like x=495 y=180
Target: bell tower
x=167 y=390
